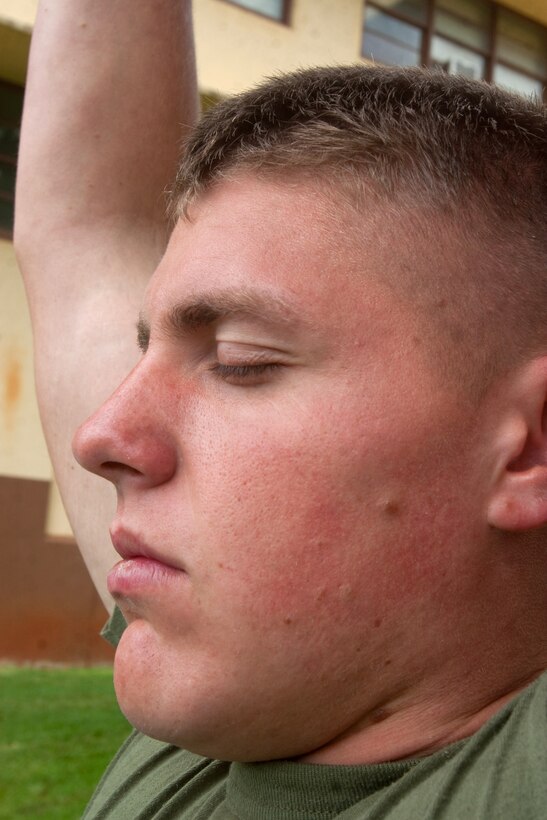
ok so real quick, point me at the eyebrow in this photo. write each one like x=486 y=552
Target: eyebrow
x=205 y=309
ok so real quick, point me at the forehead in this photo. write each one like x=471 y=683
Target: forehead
x=289 y=245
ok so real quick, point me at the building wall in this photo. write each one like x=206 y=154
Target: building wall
x=235 y=47
x=16 y=20
x=22 y=449
x=18 y=13
x=49 y=609
x=536 y=9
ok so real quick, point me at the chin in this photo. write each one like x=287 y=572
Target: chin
x=185 y=699
x=203 y=723
x=159 y=702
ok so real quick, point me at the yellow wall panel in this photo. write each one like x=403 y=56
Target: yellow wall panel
x=18 y=13
x=56 y=520
x=23 y=452
x=236 y=48
x=14 y=49
x=536 y=9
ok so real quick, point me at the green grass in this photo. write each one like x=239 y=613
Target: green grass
x=58 y=730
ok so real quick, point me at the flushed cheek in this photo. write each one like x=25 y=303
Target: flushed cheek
x=309 y=555
x=284 y=557
x=305 y=517
x=278 y=510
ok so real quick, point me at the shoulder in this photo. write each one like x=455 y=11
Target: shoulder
x=499 y=772
x=147 y=774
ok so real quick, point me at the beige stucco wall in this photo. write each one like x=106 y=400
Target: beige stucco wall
x=235 y=47
x=18 y=13
x=16 y=20
x=23 y=452
x=537 y=9
x=22 y=449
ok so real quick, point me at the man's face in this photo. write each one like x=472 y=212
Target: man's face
x=290 y=467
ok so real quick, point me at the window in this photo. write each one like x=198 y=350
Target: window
x=11 y=106
x=399 y=42
x=521 y=54
x=477 y=38
x=276 y=9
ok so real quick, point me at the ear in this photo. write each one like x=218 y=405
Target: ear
x=518 y=501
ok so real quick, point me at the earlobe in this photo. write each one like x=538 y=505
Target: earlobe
x=522 y=502
x=519 y=497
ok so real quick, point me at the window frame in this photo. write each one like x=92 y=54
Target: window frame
x=427 y=29
x=284 y=20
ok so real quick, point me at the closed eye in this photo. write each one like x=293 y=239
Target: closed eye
x=244 y=374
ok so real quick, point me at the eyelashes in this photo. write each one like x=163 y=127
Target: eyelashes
x=237 y=374
x=244 y=373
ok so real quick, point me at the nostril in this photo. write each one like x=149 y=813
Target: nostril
x=120 y=445
x=108 y=466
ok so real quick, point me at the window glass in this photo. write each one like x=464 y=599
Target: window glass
x=456 y=59
x=6 y=215
x=9 y=139
x=515 y=81
x=522 y=42
x=7 y=177
x=414 y=9
x=11 y=105
x=465 y=20
x=271 y=8
x=388 y=40
x=461 y=40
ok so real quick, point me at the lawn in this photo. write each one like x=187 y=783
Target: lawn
x=58 y=730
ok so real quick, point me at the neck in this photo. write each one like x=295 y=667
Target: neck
x=414 y=728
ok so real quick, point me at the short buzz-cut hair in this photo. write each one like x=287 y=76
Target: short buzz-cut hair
x=434 y=147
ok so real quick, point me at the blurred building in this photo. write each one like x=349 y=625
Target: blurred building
x=48 y=608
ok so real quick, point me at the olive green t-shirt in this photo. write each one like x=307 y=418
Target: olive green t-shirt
x=500 y=773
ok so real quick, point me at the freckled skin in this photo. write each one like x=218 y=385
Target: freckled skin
x=314 y=513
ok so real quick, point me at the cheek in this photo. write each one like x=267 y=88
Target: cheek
x=321 y=508
x=285 y=536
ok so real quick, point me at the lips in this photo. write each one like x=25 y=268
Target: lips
x=128 y=545
x=142 y=571
x=141 y=577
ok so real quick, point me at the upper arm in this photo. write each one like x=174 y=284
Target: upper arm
x=83 y=348
x=110 y=86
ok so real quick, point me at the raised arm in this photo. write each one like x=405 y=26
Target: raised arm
x=111 y=87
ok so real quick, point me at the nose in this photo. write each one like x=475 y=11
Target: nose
x=126 y=440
